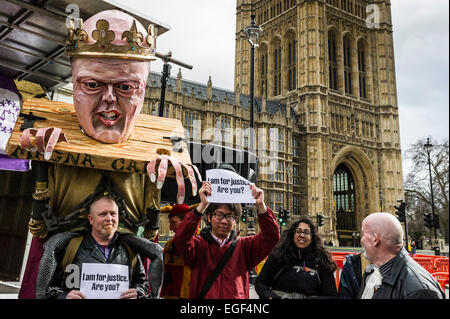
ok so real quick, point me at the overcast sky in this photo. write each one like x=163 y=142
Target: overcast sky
x=203 y=34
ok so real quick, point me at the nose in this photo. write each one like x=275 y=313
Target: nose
x=108 y=94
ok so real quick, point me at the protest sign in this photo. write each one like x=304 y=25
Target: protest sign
x=228 y=187
x=103 y=281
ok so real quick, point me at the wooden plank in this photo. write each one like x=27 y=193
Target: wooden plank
x=133 y=155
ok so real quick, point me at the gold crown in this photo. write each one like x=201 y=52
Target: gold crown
x=77 y=42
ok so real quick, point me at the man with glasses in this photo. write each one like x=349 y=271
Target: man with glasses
x=203 y=253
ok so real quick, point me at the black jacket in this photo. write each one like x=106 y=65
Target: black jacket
x=351 y=276
x=303 y=276
x=408 y=280
x=88 y=252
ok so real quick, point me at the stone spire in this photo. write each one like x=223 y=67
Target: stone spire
x=179 y=78
x=209 y=97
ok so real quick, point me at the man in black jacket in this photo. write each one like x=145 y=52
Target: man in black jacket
x=103 y=244
x=402 y=277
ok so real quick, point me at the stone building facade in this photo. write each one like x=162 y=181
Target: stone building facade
x=326 y=121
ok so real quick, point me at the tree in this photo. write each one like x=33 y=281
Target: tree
x=417 y=186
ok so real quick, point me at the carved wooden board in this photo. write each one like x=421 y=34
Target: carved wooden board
x=145 y=143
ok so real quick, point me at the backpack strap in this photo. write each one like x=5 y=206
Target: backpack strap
x=71 y=251
x=209 y=282
x=364 y=263
x=133 y=258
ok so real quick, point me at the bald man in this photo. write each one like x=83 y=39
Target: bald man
x=402 y=277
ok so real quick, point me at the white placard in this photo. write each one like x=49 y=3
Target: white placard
x=228 y=187
x=103 y=281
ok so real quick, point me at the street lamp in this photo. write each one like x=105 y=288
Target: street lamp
x=428 y=146
x=253 y=32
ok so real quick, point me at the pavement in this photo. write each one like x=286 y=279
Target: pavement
x=13 y=291
x=9 y=290
x=254 y=295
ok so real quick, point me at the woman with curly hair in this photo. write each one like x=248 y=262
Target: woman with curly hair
x=298 y=267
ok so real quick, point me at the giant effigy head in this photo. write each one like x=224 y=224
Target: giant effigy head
x=111 y=54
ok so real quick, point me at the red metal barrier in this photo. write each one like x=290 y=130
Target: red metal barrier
x=433 y=264
x=426 y=262
x=441 y=277
x=339 y=261
x=436 y=265
x=441 y=264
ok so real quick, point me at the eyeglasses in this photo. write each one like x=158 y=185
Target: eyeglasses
x=220 y=216
x=305 y=232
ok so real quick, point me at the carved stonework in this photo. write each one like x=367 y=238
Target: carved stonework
x=331 y=127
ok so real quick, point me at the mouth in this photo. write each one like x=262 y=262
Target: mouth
x=109 y=118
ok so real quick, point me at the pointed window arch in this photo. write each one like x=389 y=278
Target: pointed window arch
x=292 y=62
x=277 y=69
x=344 y=198
x=362 y=69
x=332 y=61
x=263 y=70
x=348 y=65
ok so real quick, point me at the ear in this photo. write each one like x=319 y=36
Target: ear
x=90 y=218
x=376 y=240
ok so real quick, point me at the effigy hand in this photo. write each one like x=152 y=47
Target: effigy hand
x=163 y=161
x=42 y=140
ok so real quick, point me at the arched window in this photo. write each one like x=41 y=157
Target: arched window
x=277 y=69
x=347 y=65
x=263 y=71
x=292 y=63
x=362 y=69
x=192 y=125
x=332 y=61
x=344 y=198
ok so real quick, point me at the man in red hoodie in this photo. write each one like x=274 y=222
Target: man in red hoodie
x=203 y=253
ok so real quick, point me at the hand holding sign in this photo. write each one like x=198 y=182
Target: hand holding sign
x=129 y=294
x=104 y=281
x=229 y=187
x=75 y=294
x=258 y=195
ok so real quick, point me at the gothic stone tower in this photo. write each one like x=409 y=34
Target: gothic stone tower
x=332 y=62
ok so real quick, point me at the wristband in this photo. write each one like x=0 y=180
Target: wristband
x=196 y=212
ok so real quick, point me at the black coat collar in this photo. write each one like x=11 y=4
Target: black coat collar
x=398 y=263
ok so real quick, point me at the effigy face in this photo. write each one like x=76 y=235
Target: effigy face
x=108 y=95
x=111 y=54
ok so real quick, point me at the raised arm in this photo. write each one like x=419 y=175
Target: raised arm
x=185 y=240
x=257 y=247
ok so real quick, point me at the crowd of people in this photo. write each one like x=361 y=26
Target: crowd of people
x=214 y=262
x=122 y=209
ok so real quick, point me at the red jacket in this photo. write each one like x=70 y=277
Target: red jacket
x=202 y=254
